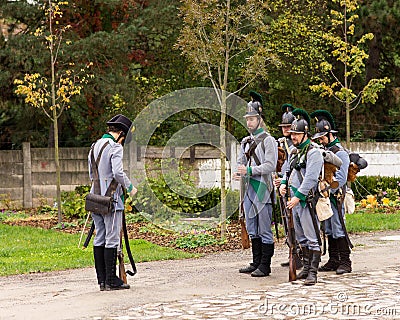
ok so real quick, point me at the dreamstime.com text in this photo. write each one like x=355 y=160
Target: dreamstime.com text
x=339 y=305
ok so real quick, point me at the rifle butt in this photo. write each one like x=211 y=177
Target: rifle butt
x=121 y=268
x=245 y=235
x=292 y=267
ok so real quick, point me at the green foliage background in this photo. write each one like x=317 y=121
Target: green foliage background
x=132 y=46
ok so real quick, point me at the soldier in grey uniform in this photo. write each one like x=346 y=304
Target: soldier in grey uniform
x=286 y=143
x=301 y=180
x=256 y=163
x=338 y=246
x=108 y=227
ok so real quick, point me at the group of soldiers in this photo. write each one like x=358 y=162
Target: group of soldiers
x=298 y=180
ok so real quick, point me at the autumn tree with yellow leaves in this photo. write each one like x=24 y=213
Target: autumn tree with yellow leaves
x=339 y=76
x=53 y=95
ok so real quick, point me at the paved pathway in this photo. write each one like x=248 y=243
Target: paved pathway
x=212 y=288
x=366 y=295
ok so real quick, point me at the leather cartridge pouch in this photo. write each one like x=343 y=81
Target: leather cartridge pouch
x=99 y=204
x=95 y=202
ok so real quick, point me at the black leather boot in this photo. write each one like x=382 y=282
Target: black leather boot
x=306 y=263
x=344 y=254
x=112 y=281
x=333 y=251
x=315 y=257
x=100 y=266
x=298 y=257
x=264 y=268
x=257 y=252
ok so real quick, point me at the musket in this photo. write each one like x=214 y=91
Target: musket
x=89 y=236
x=291 y=238
x=244 y=234
x=275 y=215
x=121 y=266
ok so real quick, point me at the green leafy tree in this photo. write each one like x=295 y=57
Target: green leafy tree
x=222 y=41
x=350 y=56
x=53 y=95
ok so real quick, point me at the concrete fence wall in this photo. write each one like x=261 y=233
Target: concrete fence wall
x=28 y=175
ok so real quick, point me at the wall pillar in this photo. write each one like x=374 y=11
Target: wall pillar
x=27 y=184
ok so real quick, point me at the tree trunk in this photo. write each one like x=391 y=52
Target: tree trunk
x=222 y=129
x=347 y=125
x=57 y=162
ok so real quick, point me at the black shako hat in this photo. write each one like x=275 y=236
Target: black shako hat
x=123 y=123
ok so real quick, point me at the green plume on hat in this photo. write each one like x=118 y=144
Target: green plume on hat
x=300 y=113
x=323 y=114
x=255 y=96
x=287 y=107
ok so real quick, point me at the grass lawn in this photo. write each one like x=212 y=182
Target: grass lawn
x=372 y=220
x=28 y=249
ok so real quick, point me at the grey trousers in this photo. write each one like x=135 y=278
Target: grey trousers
x=108 y=229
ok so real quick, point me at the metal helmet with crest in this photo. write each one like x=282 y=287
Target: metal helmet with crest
x=254 y=107
x=324 y=123
x=287 y=117
x=301 y=123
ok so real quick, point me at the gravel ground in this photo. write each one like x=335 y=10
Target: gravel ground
x=74 y=294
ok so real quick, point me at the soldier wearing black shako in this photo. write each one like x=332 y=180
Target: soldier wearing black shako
x=301 y=180
x=338 y=240
x=285 y=142
x=108 y=154
x=256 y=163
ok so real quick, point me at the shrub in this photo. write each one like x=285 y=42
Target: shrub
x=160 y=202
x=73 y=205
x=375 y=185
x=192 y=241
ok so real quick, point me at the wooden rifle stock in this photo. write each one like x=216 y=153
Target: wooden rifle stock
x=121 y=266
x=291 y=242
x=244 y=233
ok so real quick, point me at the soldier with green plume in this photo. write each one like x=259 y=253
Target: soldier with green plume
x=285 y=142
x=298 y=184
x=338 y=241
x=256 y=163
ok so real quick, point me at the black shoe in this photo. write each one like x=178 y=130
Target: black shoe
x=285 y=264
x=259 y=273
x=102 y=286
x=249 y=269
x=121 y=287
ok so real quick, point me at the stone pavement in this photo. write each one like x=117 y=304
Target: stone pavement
x=211 y=287
x=365 y=295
